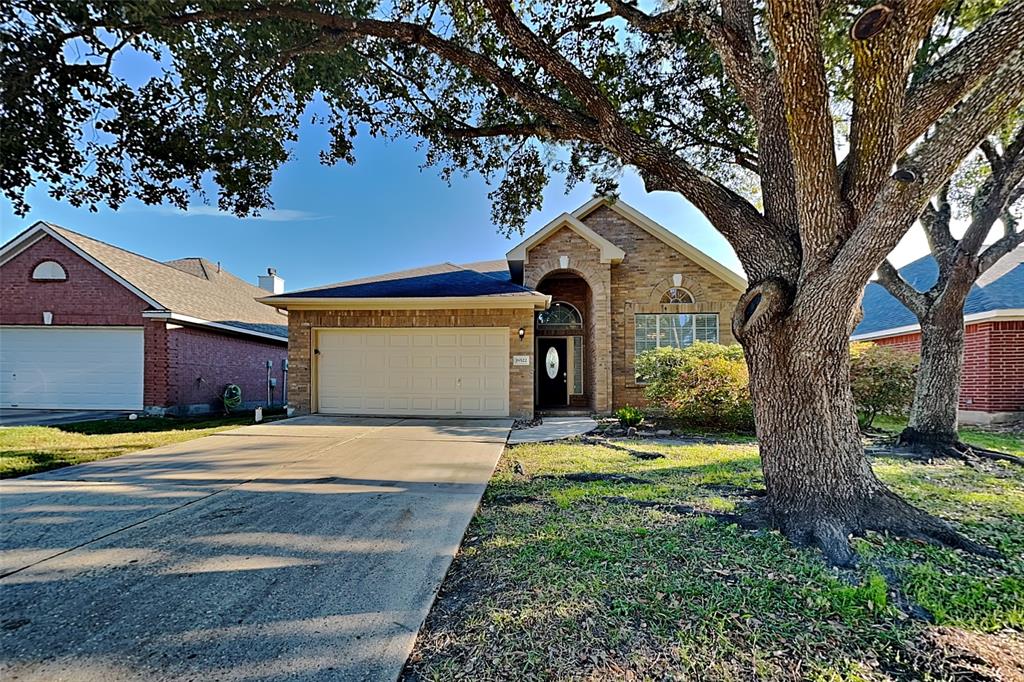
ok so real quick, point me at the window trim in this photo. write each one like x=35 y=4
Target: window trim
x=689 y=293
x=49 y=262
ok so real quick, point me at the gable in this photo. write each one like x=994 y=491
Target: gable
x=619 y=222
x=608 y=252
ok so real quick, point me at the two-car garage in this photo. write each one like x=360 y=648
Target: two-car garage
x=424 y=371
x=83 y=368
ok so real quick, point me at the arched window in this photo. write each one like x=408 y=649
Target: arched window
x=49 y=270
x=560 y=314
x=677 y=295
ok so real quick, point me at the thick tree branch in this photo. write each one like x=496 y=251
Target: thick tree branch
x=890 y=278
x=932 y=163
x=961 y=70
x=1004 y=245
x=881 y=65
x=796 y=36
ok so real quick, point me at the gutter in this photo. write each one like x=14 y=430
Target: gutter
x=198 y=322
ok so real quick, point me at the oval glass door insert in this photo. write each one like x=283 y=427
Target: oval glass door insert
x=551 y=361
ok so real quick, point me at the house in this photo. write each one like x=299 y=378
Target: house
x=555 y=325
x=87 y=325
x=993 y=383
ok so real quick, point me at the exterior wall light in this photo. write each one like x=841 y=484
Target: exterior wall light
x=522 y=333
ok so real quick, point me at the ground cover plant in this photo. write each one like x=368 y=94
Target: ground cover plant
x=635 y=571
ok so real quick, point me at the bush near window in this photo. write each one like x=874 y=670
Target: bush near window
x=882 y=379
x=705 y=385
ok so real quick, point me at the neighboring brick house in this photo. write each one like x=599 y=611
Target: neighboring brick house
x=555 y=325
x=87 y=325
x=993 y=382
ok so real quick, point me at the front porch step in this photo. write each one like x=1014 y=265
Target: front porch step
x=564 y=412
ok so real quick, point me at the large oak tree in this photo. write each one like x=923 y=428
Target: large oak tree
x=739 y=106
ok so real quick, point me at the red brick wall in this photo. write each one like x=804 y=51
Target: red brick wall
x=174 y=358
x=87 y=297
x=993 y=365
x=201 y=363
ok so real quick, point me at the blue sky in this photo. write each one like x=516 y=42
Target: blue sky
x=337 y=223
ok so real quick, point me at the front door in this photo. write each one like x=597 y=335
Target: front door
x=553 y=386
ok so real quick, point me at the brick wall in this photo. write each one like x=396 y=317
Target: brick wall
x=993 y=365
x=637 y=284
x=201 y=363
x=302 y=323
x=87 y=297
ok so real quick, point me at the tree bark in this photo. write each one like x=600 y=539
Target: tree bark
x=820 y=485
x=933 y=416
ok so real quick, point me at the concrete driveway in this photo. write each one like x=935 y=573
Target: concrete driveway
x=309 y=548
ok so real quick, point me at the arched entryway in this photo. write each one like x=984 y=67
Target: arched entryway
x=564 y=335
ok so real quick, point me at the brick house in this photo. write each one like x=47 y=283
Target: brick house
x=993 y=383
x=87 y=325
x=555 y=325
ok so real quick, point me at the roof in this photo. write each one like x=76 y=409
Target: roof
x=192 y=289
x=609 y=252
x=999 y=290
x=484 y=282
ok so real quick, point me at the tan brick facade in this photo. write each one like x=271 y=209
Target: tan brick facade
x=303 y=323
x=623 y=290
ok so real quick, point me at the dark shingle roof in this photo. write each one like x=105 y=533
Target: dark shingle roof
x=1001 y=288
x=194 y=287
x=432 y=281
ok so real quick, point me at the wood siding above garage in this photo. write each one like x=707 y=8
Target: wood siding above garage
x=304 y=324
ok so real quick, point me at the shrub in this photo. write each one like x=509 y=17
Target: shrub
x=705 y=385
x=629 y=416
x=882 y=379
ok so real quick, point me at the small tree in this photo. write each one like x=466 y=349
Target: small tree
x=989 y=187
x=705 y=385
x=882 y=379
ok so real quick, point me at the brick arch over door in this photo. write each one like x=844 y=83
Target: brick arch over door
x=597 y=321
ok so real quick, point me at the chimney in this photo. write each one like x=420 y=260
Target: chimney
x=271 y=282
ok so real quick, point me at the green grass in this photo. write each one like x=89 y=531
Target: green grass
x=1012 y=443
x=31 y=449
x=563 y=580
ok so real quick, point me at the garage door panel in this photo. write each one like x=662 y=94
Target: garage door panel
x=71 y=367
x=425 y=371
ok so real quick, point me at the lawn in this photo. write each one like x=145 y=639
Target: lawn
x=30 y=449
x=611 y=579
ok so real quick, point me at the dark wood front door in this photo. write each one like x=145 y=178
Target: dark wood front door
x=552 y=386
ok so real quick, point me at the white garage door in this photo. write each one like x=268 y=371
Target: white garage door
x=451 y=371
x=71 y=368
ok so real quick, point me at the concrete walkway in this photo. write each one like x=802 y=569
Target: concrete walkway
x=304 y=549
x=553 y=428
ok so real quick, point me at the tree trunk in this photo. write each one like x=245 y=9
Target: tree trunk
x=933 y=415
x=820 y=485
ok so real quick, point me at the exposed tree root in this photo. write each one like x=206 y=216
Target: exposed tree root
x=929 y=447
x=883 y=512
x=639 y=454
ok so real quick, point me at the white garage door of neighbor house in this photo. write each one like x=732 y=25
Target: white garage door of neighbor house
x=74 y=368
x=426 y=372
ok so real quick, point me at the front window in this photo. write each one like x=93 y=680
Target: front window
x=668 y=330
